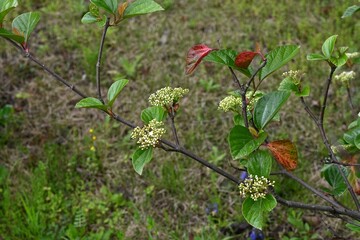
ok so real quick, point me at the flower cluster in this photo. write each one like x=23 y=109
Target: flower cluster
x=345 y=77
x=255 y=187
x=167 y=96
x=230 y=103
x=294 y=75
x=353 y=55
x=149 y=134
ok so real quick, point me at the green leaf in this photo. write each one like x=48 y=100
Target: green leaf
x=351 y=135
x=255 y=212
x=226 y=57
x=25 y=24
x=5 y=7
x=91 y=102
x=242 y=143
x=268 y=106
x=304 y=92
x=151 y=113
x=278 y=58
x=239 y=120
x=357 y=141
x=110 y=6
x=333 y=176
x=288 y=84
x=115 y=90
x=141 y=7
x=10 y=35
x=259 y=163
x=350 y=11
x=353 y=227
x=89 y=18
x=340 y=60
x=315 y=57
x=328 y=46
x=140 y=158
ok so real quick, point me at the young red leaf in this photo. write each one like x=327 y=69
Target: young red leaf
x=244 y=59
x=285 y=153
x=195 y=55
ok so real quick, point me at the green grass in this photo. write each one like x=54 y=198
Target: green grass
x=53 y=186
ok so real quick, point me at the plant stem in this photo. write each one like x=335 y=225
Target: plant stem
x=320 y=124
x=98 y=64
x=335 y=210
x=172 y=119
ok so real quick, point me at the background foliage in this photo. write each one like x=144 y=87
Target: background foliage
x=59 y=180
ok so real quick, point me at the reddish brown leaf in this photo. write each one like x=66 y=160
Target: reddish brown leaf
x=122 y=8
x=285 y=153
x=244 y=59
x=195 y=55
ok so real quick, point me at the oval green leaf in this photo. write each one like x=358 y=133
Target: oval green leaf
x=315 y=57
x=151 y=113
x=333 y=176
x=328 y=46
x=226 y=57
x=242 y=143
x=255 y=212
x=115 y=90
x=25 y=24
x=140 y=158
x=268 y=106
x=5 y=7
x=350 y=11
x=259 y=163
x=89 y=18
x=141 y=7
x=10 y=35
x=91 y=102
x=108 y=5
x=278 y=58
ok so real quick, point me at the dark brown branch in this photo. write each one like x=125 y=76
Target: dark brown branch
x=326 y=94
x=98 y=64
x=173 y=128
x=254 y=75
x=313 y=207
x=310 y=188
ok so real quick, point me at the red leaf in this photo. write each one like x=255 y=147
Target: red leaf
x=285 y=153
x=195 y=55
x=244 y=59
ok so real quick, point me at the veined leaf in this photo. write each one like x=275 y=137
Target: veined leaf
x=255 y=212
x=226 y=57
x=151 y=113
x=10 y=35
x=315 y=57
x=285 y=153
x=195 y=56
x=278 y=58
x=242 y=142
x=5 y=7
x=140 y=7
x=244 y=59
x=115 y=90
x=259 y=163
x=91 y=102
x=333 y=176
x=89 y=18
x=350 y=11
x=140 y=158
x=268 y=106
x=328 y=46
x=108 y=5
x=25 y=24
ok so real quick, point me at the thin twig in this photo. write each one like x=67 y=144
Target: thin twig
x=326 y=94
x=254 y=75
x=173 y=127
x=350 y=99
x=98 y=64
x=342 y=163
x=310 y=188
